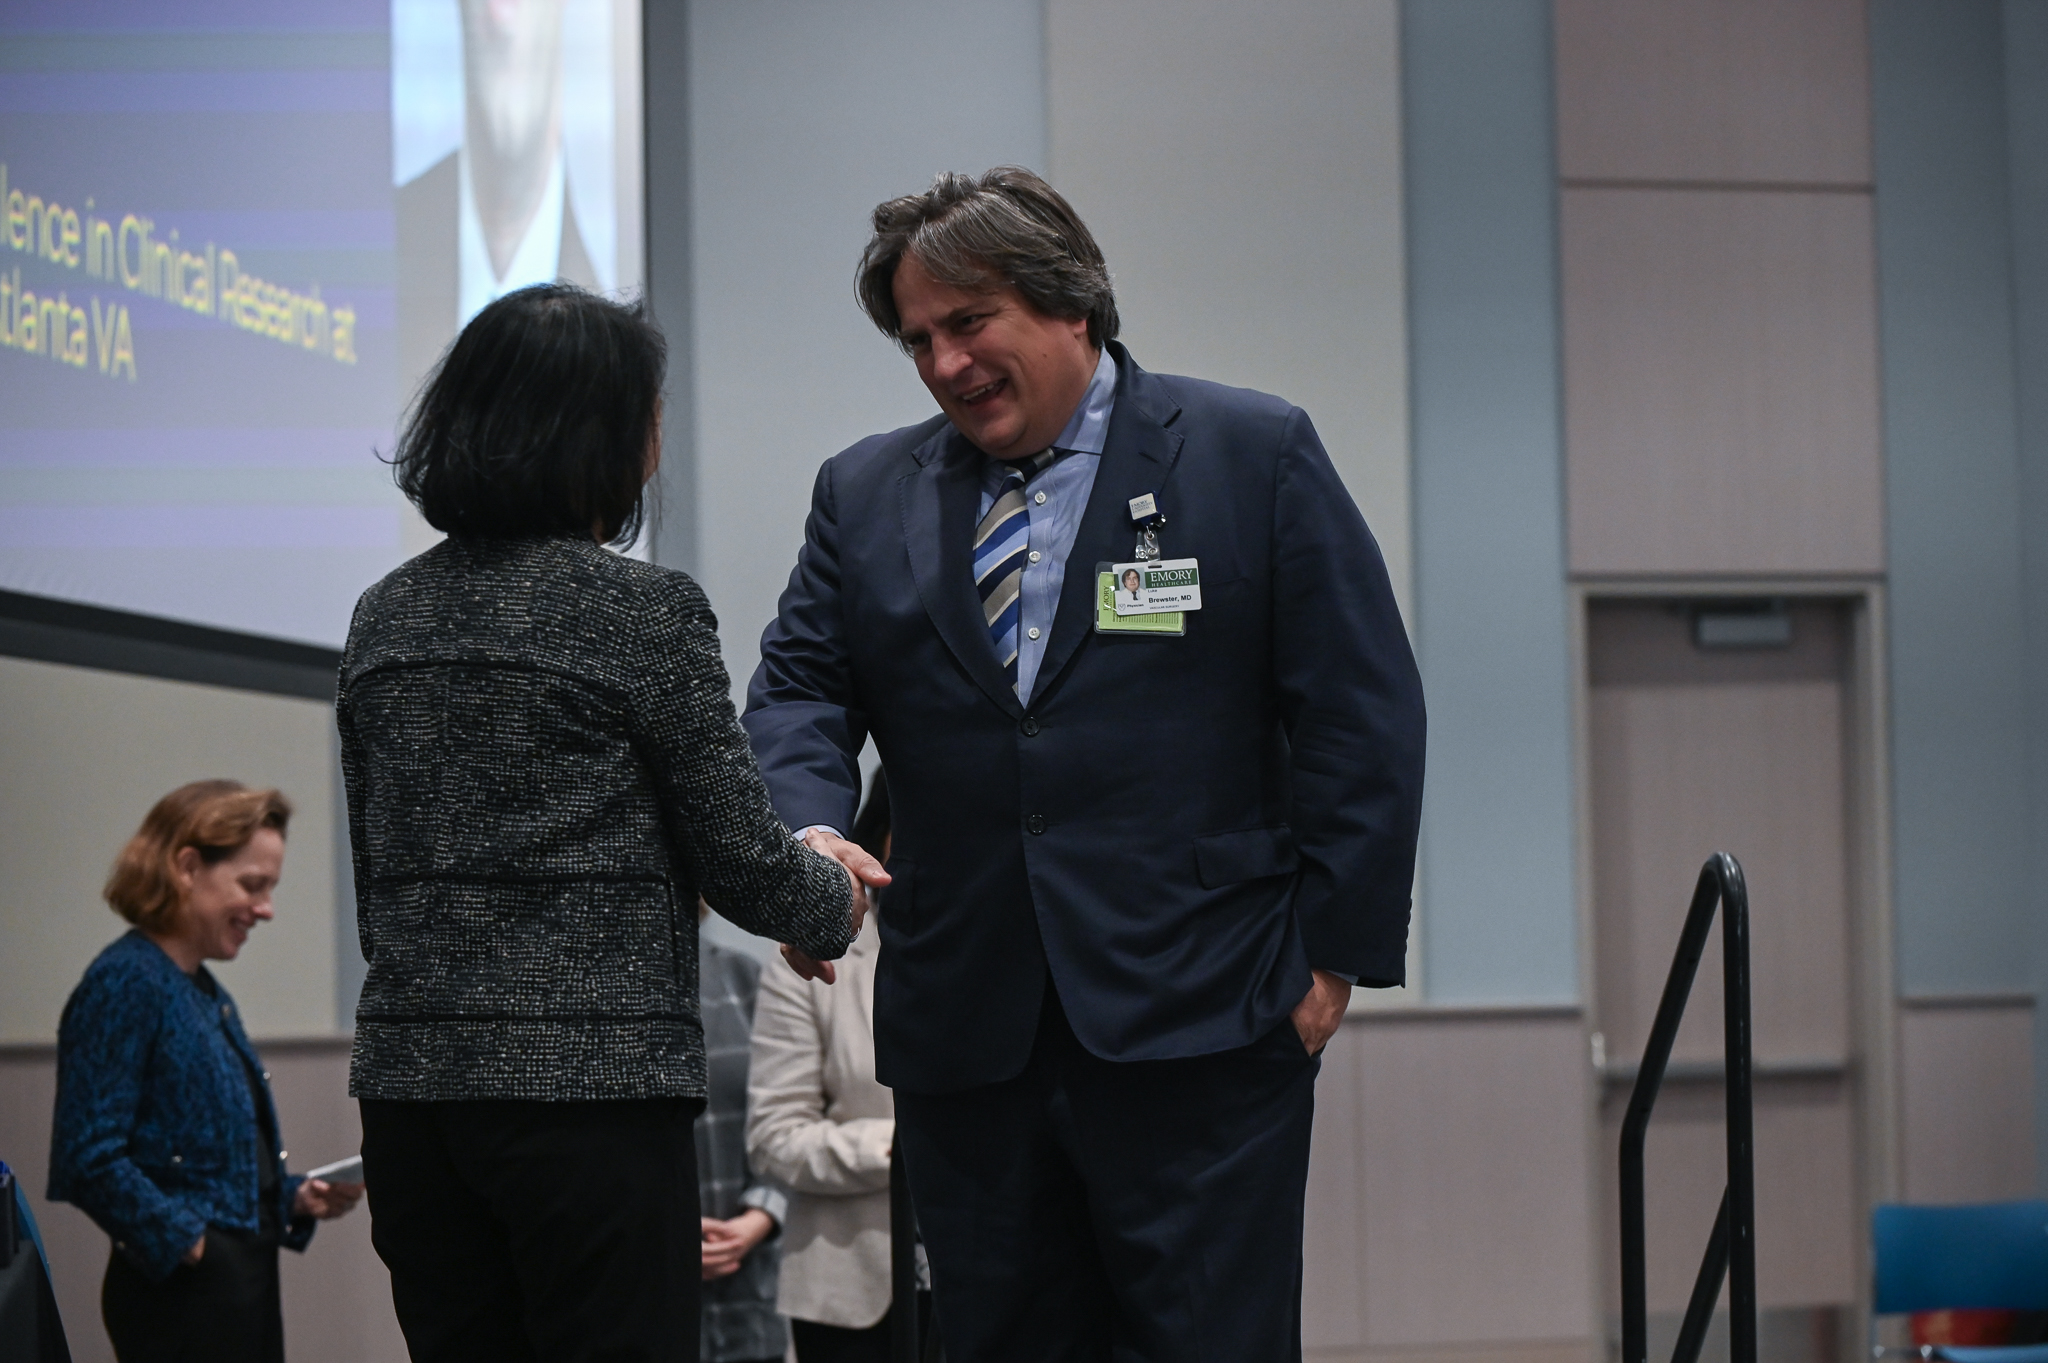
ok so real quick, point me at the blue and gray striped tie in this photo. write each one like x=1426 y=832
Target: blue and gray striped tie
x=1001 y=545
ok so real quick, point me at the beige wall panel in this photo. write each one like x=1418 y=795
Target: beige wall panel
x=1241 y=166
x=1332 y=1266
x=1807 y=1225
x=1741 y=90
x=1695 y=752
x=1476 y=1184
x=337 y=1296
x=1806 y=1218
x=1968 y=1095
x=1721 y=406
x=86 y=754
x=1515 y=1351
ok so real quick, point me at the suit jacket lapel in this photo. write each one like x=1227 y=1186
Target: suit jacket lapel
x=1137 y=458
x=938 y=501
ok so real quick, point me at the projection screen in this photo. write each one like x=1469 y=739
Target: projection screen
x=234 y=237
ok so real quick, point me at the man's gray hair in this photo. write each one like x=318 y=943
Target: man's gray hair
x=1008 y=227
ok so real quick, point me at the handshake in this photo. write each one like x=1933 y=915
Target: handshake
x=862 y=870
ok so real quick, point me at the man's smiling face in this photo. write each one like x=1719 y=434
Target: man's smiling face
x=1007 y=374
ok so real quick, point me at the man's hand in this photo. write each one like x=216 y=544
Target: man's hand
x=862 y=870
x=198 y=1250
x=1321 y=1009
x=319 y=1198
x=728 y=1243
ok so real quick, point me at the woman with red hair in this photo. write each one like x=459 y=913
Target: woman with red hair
x=165 y=1132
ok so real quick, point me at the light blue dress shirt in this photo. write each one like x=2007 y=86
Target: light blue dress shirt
x=1054 y=500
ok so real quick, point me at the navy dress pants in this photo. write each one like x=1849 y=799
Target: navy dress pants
x=224 y=1309
x=1096 y=1210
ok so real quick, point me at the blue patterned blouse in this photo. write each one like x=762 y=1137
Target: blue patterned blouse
x=155 y=1109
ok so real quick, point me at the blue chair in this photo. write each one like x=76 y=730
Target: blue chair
x=1990 y=1256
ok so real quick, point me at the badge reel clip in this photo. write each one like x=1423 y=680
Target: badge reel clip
x=1145 y=515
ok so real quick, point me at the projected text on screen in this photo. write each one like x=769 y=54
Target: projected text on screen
x=210 y=282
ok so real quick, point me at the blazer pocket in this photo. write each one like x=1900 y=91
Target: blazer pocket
x=899 y=897
x=1247 y=854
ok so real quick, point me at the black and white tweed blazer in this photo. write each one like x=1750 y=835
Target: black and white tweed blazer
x=544 y=771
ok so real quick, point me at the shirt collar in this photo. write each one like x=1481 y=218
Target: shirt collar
x=538 y=259
x=1088 y=429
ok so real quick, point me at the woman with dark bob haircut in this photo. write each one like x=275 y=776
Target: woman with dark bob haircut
x=544 y=772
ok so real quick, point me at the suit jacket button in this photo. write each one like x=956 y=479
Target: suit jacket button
x=1035 y=824
x=1030 y=726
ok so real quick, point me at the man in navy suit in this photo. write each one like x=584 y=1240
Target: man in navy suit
x=1139 y=860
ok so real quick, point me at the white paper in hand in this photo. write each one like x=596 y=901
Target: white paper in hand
x=348 y=1170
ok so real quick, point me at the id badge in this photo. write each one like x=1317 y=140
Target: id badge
x=1168 y=624
x=1158 y=586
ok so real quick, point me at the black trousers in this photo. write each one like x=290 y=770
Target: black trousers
x=1146 y=1210
x=522 y=1231
x=223 y=1309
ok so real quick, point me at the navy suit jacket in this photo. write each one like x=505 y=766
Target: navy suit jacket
x=1175 y=828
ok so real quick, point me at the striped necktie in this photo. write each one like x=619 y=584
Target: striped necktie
x=1001 y=543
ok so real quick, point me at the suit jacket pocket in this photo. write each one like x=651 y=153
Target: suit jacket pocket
x=1247 y=854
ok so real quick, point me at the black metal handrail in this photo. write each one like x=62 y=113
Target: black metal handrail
x=1731 y=1248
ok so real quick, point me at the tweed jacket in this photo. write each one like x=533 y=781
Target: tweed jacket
x=820 y=1124
x=154 y=1112
x=544 y=771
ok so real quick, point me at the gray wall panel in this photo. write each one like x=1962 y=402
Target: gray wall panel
x=1497 y=863
x=1952 y=528
x=803 y=117
x=1241 y=166
x=665 y=63
x=2026 y=78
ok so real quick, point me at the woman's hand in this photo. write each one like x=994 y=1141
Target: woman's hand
x=198 y=1250
x=319 y=1198
x=728 y=1243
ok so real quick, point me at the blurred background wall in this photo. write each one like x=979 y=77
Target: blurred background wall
x=1615 y=315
